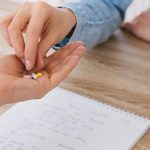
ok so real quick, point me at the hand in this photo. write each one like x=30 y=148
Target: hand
x=44 y=26
x=15 y=88
x=140 y=26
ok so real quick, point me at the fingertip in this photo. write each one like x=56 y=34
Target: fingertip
x=81 y=42
x=82 y=48
x=80 y=51
x=78 y=43
x=73 y=45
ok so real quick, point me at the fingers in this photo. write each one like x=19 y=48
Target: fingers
x=45 y=44
x=62 y=21
x=62 y=53
x=27 y=18
x=34 y=31
x=4 y=23
x=59 y=76
x=16 y=28
x=58 y=56
x=13 y=26
x=61 y=70
x=68 y=49
x=78 y=52
x=41 y=23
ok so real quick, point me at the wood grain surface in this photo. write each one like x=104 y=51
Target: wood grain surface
x=116 y=72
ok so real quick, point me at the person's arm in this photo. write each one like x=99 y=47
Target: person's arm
x=93 y=22
x=96 y=19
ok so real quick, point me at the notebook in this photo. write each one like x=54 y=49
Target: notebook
x=63 y=120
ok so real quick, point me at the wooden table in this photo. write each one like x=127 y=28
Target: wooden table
x=116 y=72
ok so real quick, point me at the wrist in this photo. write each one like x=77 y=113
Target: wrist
x=70 y=16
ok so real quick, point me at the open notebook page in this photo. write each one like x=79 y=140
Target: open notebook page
x=63 y=120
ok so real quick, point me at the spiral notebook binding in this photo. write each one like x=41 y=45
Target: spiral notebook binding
x=108 y=106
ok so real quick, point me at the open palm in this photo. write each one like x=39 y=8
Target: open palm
x=15 y=88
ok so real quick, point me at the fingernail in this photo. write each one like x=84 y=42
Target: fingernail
x=27 y=76
x=28 y=65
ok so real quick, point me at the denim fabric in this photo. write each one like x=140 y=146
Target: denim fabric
x=96 y=19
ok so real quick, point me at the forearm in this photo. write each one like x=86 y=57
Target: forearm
x=96 y=20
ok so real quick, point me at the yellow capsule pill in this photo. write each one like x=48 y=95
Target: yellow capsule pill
x=39 y=74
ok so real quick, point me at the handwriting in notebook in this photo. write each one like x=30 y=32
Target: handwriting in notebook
x=66 y=122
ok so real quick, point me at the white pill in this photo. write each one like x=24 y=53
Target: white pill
x=34 y=76
x=27 y=76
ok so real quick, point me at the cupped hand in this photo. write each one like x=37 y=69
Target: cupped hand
x=15 y=88
x=43 y=25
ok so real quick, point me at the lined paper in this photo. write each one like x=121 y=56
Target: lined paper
x=63 y=120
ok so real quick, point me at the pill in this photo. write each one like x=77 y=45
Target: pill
x=34 y=76
x=27 y=76
x=39 y=74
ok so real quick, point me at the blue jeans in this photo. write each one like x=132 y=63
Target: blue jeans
x=96 y=19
